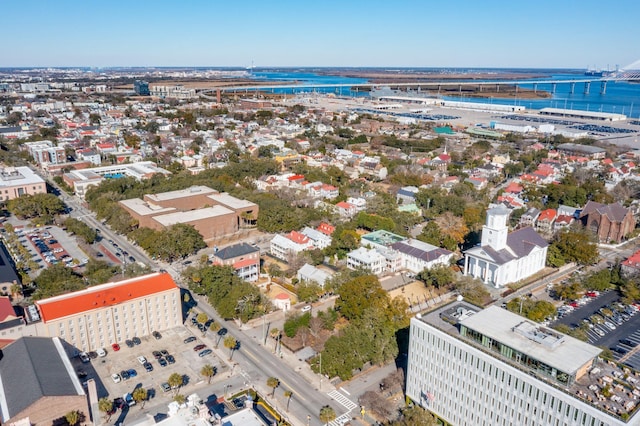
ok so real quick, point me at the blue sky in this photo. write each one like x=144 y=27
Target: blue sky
x=400 y=33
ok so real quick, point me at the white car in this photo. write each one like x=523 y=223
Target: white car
x=610 y=325
x=101 y=352
x=306 y=308
x=142 y=360
x=116 y=378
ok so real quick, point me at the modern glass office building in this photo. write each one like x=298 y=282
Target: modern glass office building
x=492 y=367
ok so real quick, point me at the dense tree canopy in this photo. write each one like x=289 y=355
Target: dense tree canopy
x=56 y=280
x=572 y=245
x=227 y=293
x=42 y=207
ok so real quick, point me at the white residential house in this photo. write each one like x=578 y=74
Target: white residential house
x=291 y=244
x=318 y=239
x=346 y=209
x=311 y=274
x=504 y=257
x=368 y=259
x=359 y=203
x=417 y=255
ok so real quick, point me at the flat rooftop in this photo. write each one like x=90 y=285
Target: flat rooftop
x=544 y=344
x=565 y=352
x=144 y=208
x=383 y=238
x=11 y=176
x=192 y=215
x=230 y=201
x=181 y=193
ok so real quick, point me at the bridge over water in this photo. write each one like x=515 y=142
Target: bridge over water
x=628 y=74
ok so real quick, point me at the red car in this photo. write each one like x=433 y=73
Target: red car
x=199 y=347
x=115 y=347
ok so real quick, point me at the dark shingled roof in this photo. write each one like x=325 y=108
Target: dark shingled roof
x=32 y=368
x=615 y=211
x=520 y=242
x=427 y=256
x=235 y=251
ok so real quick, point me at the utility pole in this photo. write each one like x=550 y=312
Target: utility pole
x=320 y=372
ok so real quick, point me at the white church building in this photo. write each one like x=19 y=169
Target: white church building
x=503 y=257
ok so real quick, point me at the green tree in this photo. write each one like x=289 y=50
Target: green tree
x=140 y=395
x=569 y=291
x=215 y=328
x=574 y=245
x=175 y=381
x=41 y=206
x=81 y=229
x=56 y=280
x=415 y=416
x=202 y=318
x=180 y=399
x=327 y=414
x=73 y=417
x=208 y=371
x=473 y=290
x=359 y=294
x=105 y=405
x=273 y=383
x=437 y=276
x=230 y=343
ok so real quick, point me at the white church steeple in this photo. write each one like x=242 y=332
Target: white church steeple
x=495 y=231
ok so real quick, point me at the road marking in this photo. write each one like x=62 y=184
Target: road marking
x=342 y=400
x=345 y=391
x=341 y=421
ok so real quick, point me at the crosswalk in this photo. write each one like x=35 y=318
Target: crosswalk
x=341 y=421
x=343 y=400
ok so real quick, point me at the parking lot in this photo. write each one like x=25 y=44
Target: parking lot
x=609 y=323
x=187 y=363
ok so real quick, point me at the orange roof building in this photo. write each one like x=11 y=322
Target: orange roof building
x=111 y=313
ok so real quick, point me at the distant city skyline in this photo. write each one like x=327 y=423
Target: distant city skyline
x=405 y=33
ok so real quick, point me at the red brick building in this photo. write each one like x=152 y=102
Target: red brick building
x=610 y=222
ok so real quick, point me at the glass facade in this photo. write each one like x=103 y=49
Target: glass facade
x=518 y=357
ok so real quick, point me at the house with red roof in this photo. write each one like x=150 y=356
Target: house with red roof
x=563 y=221
x=631 y=265
x=346 y=209
x=111 y=313
x=326 y=228
x=291 y=244
x=545 y=221
x=514 y=188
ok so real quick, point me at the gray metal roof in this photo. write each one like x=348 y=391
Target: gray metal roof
x=32 y=368
x=235 y=251
x=614 y=211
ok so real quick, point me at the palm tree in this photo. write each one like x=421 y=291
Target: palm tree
x=202 y=318
x=180 y=399
x=327 y=414
x=288 y=394
x=175 y=381
x=273 y=383
x=215 y=327
x=208 y=371
x=230 y=343
x=73 y=417
x=140 y=396
x=275 y=333
x=106 y=406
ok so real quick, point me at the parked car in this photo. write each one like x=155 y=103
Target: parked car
x=84 y=357
x=164 y=352
x=129 y=343
x=136 y=340
x=148 y=366
x=116 y=378
x=199 y=347
x=165 y=387
x=170 y=359
x=156 y=354
x=132 y=373
x=205 y=352
x=157 y=335
x=124 y=374
x=162 y=362
x=142 y=360
x=115 y=347
x=101 y=352
x=190 y=339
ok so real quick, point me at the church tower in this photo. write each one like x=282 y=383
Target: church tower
x=495 y=231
